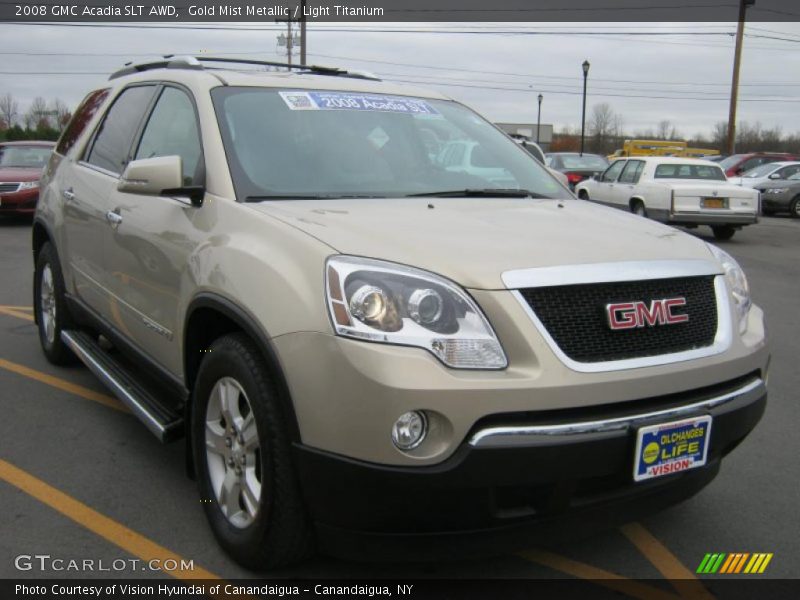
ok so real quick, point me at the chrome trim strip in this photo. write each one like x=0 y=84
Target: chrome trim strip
x=153 y=424
x=608 y=272
x=501 y=437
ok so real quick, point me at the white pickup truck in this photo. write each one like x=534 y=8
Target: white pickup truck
x=682 y=191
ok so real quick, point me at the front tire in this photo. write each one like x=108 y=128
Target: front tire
x=49 y=302
x=794 y=208
x=723 y=232
x=248 y=486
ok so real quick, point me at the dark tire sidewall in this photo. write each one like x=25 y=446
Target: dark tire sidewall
x=242 y=543
x=56 y=352
x=794 y=208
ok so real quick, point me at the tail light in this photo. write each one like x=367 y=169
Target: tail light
x=574 y=177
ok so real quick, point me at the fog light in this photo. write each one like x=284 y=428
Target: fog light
x=409 y=430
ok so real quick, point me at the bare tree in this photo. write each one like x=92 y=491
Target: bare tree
x=719 y=137
x=666 y=130
x=601 y=126
x=61 y=114
x=38 y=115
x=9 y=109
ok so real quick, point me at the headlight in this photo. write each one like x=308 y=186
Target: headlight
x=737 y=284
x=28 y=185
x=394 y=304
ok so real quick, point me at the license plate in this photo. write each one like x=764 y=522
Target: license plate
x=670 y=448
x=713 y=203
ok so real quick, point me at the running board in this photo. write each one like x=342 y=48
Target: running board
x=164 y=423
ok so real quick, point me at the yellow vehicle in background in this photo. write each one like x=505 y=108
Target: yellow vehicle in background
x=660 y=148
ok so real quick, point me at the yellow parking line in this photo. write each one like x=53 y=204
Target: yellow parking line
x=28 y=308
x=681 y=578
x=116 y=533
x=598 y=576
x=16 y=312
x=63 y=384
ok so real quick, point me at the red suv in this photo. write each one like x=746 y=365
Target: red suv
x=21 y=165
x=736 y=164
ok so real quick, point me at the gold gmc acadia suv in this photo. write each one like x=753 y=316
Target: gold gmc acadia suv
x=381 y=326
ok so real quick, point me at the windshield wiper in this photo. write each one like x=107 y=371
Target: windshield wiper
x=306 y=197
x=481 y=193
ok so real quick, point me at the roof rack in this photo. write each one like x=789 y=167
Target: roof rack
x=170 y=61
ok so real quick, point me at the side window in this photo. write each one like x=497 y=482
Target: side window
x=112 y=144
x=172 y=130
x=612 y=172
x=80 y=120
x=632 y=171
x=787 y=172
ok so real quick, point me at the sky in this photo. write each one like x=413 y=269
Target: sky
x=498 y=69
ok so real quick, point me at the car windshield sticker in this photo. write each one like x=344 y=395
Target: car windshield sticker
x=378 y=137
x=352 y=101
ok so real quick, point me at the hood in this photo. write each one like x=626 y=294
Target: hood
x=19 y=174
x=473 y=241
x=783 y=183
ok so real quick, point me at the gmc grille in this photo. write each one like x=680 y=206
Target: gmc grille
x=575 y=317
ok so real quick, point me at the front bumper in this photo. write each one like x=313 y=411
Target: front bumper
x=23 y=202
x=518 y=478
x=713 y=219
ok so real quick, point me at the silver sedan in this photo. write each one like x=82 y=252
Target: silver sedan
x=781 y=196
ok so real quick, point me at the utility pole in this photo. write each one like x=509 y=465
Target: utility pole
x=303 y=32
x=737 y=60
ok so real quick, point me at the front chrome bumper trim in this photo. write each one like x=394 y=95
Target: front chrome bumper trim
x=528 y=435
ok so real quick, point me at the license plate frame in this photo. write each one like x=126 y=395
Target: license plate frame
x=714 y=203
x=672 y=443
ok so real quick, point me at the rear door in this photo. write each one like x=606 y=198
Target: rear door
x=149 y=249
x=88 y=189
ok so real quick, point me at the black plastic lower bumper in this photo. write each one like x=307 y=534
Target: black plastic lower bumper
x=486 y=500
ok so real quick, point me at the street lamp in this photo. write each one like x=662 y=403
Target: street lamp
x=539 y=118
x=583 y=118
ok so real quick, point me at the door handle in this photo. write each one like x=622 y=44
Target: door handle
x=68 y=194
x=113 y=218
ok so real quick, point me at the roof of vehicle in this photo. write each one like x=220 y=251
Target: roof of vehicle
x=234 y=73
x=42 y=143
x=574 y=154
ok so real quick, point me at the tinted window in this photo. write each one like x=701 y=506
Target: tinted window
x=172 y=131
x=787 y=172
x=80 y=120
x=686 y=171
x=613 y=171
x=113 y=141
x=632 y=171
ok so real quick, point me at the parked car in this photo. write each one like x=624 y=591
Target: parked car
x=367 y=351
x=575 y=166
x=681 y=191
x=21 y=165
x=736 y=164
x=536 y=152
x=775 y=171
x=781 y=196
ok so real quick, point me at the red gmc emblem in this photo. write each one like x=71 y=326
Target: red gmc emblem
x=632 y=315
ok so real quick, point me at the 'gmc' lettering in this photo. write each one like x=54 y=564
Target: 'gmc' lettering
x=633 y=315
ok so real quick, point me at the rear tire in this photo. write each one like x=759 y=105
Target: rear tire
x=248 y=486
x=637 y=208
x=50 y=306
x=794 y=208
x=723 y=232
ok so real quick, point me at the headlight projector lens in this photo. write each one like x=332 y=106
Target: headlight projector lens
x=425 y=306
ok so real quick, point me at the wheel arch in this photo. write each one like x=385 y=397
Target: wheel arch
x=636 y=199
x=210 y=316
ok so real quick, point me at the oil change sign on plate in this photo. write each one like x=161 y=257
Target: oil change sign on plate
x=669 y=448
x=355 y=101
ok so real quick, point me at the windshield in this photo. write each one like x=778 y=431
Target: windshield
x=587 y=161
x=34 y=157
x=309 y=144
x=681 y=171
x=762 y=170
x=734 y=159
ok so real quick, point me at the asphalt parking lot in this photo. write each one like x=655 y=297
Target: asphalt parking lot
x=81 y=478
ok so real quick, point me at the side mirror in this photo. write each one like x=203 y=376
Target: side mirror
x=776 y=176
x=160 y=176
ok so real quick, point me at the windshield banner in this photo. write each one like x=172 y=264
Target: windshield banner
x=350 y=101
